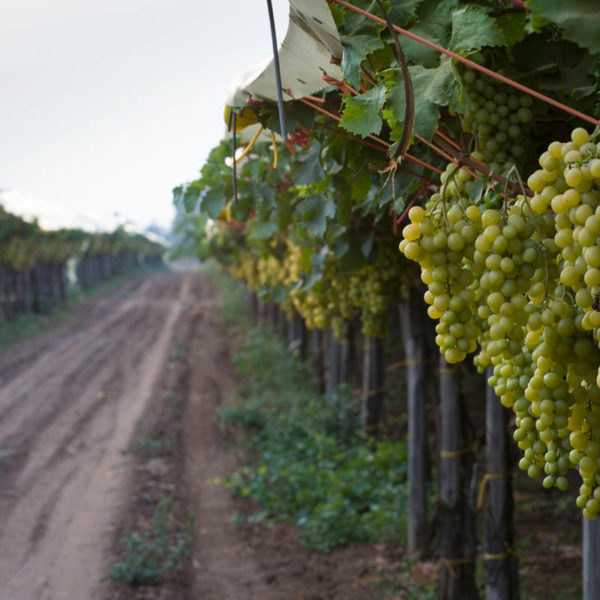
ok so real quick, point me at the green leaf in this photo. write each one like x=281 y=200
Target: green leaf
x=285 y=212
x=512 y=26
x=399 y=204
x=356 y=49
x=432 y=88
x=262 y=230
x=472 y=29
x=563 y=67
x=362 y=114
x=434 y=24
x=443 y=87
x=344 y=210
x=189 y=195
x=260 y=190
x=177 y=196
x=295 y=113
x=314 y=212
x=579 y=19
x=476 y=190
x=361 y=184
x=402 y=11
x=353 y=259
x=241 y=210
x=310 y=169
x=366 y=245
x=212 y=202
x=190 y=200
x=356 y=24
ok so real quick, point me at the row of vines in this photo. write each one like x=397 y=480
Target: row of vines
x=38 y=268
x=454 y=171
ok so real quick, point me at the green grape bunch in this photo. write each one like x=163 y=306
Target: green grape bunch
x=518 y=281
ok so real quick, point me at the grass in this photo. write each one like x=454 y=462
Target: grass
x=179 y=352
x=233 y=309
x=144 y=443
x=150 y=555
x=310 y=463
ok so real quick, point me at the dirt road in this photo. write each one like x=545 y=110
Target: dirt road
x=69 y=402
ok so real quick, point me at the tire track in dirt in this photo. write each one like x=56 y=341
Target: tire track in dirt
x=65 y=419
x=226 y=566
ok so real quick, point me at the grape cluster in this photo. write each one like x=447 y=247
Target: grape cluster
x=326 y=304
x=374 y=287
x=500 y=119
x=442 y=240
x=521 y=280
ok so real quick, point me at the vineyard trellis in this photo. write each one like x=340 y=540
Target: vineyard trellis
x=495 y=209
x=34 y=264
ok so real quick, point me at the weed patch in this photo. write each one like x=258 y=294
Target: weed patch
x=233 y=309
x=152 y=554
x=146 y=443
x=310 y=464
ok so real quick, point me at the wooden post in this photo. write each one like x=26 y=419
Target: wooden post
x=254 y=308
x=291 y=335
x=412 y=311
x=282 y=324
x=591 y=559
x=372 y=388
x=501 y=564
x=333 y=365
x=272 y=322
x=296 y=336
x=456 y=540
x=318 y=362
x=262 y=314
x=346 y=353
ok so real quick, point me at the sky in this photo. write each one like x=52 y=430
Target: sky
x=106 y=105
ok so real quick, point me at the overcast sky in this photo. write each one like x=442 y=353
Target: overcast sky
x=106 y=105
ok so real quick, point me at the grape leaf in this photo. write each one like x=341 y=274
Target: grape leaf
x=355 y=24
x=356 y=49
x=362 y=114
x=512 y=26
x=309 y=169
x=473 y=29
x=261 y=230
x=401 y=11
x=477 y=190
x=563 y=67
x=434 y=19
x=314 y=212
x=344 y=210
x=579 y=19
x=432 y=87
x=211 y=202
x=353 y=259
x=443 y=87
x=361 y=184
x=188 y=195
x=284 y=212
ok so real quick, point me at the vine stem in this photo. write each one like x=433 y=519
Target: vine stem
x=409 y=96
